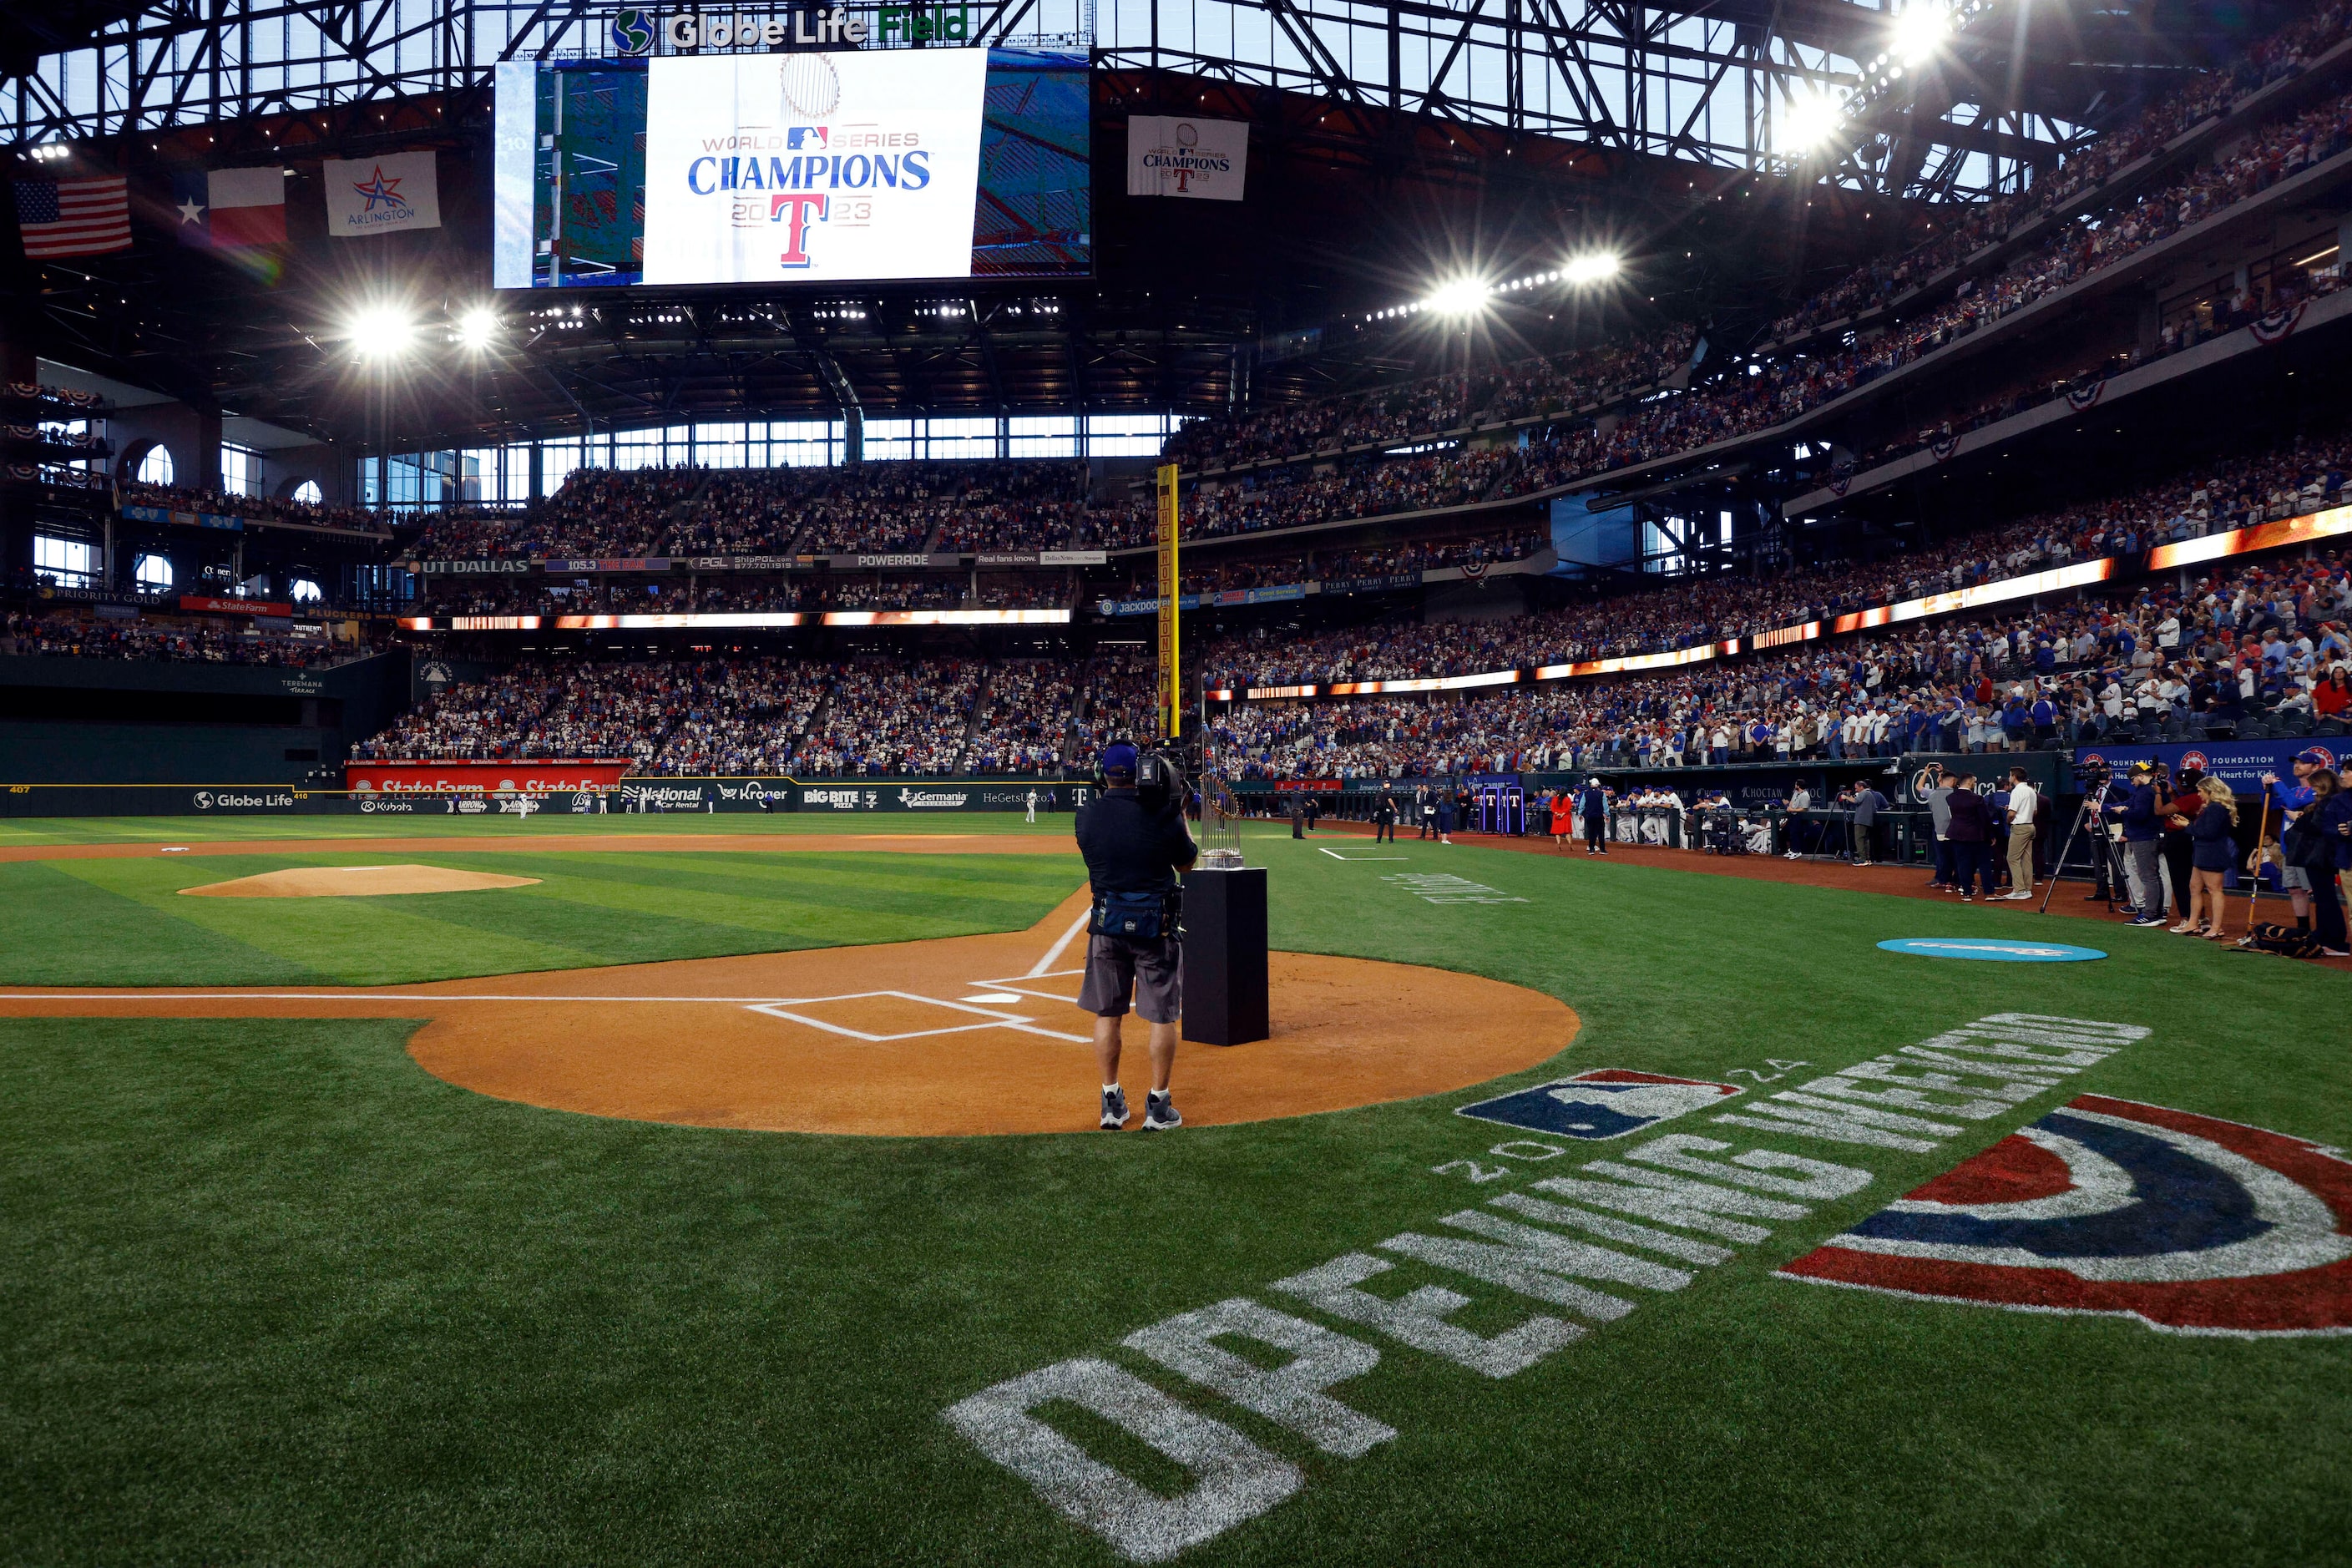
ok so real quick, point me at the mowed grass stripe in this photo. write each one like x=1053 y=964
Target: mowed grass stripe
x=751 y=906
x=353 y=942
x=60 y=929
x=908 y=885
x=200 y=829
x=588 y=910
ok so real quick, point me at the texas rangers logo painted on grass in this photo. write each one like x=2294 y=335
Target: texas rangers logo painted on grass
x=2190 y=1224
x=1606 y=1102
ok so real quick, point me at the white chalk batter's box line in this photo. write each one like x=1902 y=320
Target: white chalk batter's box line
x=779 y=1007
x=989 y=1017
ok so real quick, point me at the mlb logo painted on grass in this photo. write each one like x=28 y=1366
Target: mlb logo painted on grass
x=1991 y=950
x=2189 y=1223
x=1606 y=1102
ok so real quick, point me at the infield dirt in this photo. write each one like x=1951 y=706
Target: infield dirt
x=954 y=1035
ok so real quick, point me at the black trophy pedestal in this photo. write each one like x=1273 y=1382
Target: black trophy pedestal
x=1224 y=957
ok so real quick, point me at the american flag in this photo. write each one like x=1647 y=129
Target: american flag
x=74 y=217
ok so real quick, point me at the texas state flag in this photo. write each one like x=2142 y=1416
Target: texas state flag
x=231 y=209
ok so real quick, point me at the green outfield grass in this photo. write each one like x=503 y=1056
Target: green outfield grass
x=229 y=828
x=275 y=1294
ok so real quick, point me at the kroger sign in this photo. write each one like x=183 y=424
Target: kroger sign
x=635 y=32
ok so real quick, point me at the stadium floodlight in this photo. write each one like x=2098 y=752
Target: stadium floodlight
x=1813 y=117
x=381 y=331
x=1460 y=297
x=1919 y=31
x=479 y=328
x=1593 y=268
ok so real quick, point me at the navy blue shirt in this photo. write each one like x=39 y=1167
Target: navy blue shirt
x=1129 y=846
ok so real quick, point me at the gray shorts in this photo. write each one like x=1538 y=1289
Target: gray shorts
x=2295 y=878
x=1153 y=971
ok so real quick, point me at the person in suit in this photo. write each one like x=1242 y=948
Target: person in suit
x=1593 y=806
x=1299 y=815
x=1425 y=810
x=1969 y=832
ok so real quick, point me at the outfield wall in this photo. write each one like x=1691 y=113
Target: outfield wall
x=836 y=796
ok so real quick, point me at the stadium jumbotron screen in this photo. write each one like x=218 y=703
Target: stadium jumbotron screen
x=764 y=168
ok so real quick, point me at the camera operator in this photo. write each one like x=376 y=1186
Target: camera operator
x=1135 y=841
x=1868 y=804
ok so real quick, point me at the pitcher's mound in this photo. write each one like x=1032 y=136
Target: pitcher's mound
x=355 y=882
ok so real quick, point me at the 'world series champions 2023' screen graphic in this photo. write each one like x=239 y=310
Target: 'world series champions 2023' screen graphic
x=801 y=166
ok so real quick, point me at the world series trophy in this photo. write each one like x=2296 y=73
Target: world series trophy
x=1221 y=826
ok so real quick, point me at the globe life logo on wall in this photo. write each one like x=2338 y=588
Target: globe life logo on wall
x=636 y=33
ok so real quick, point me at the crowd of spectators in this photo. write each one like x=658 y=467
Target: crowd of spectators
x=2205 y=95
x=1025 y=719
x=258 y=508
x=2291 y=479
x=2260 y=648
x=191 y=642
x=891 y=508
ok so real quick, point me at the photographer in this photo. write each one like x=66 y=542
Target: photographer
x=1868 y=804
x=1134 y=842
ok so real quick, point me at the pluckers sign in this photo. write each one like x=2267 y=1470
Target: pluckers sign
x=637 y=32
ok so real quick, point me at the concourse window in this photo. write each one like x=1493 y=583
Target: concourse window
x=155 y=467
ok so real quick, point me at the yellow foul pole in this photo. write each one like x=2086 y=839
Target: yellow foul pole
x=1171 y=697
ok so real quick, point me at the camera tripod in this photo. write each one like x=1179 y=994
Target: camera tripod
x=2109 y=862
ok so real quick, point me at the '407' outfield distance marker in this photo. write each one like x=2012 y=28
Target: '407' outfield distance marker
x=1990 y=949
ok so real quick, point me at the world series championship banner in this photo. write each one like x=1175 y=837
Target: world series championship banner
x=800 y=165
x=1172 y=703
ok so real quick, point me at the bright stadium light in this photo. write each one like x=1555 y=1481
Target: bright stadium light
x=1919 y=31
x=381 y=331
x=479 y=328
x=1592 y=268
x=1813 y=117
x=1462 y=296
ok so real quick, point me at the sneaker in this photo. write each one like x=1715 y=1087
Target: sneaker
x=1114 y=1111
x=2094 y=898
x=2027 y=896
x=2335 y=952
x=1160 y=1113
x=1967 y=898
x=2144 y=921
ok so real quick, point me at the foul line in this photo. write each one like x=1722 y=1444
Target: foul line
x=1354 y=860
x=1054 y=953
x=348 y=996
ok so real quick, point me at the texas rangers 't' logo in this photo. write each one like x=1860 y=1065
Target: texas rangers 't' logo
x=2189 y=1223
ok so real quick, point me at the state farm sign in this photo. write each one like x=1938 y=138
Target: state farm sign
x=539 y=775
